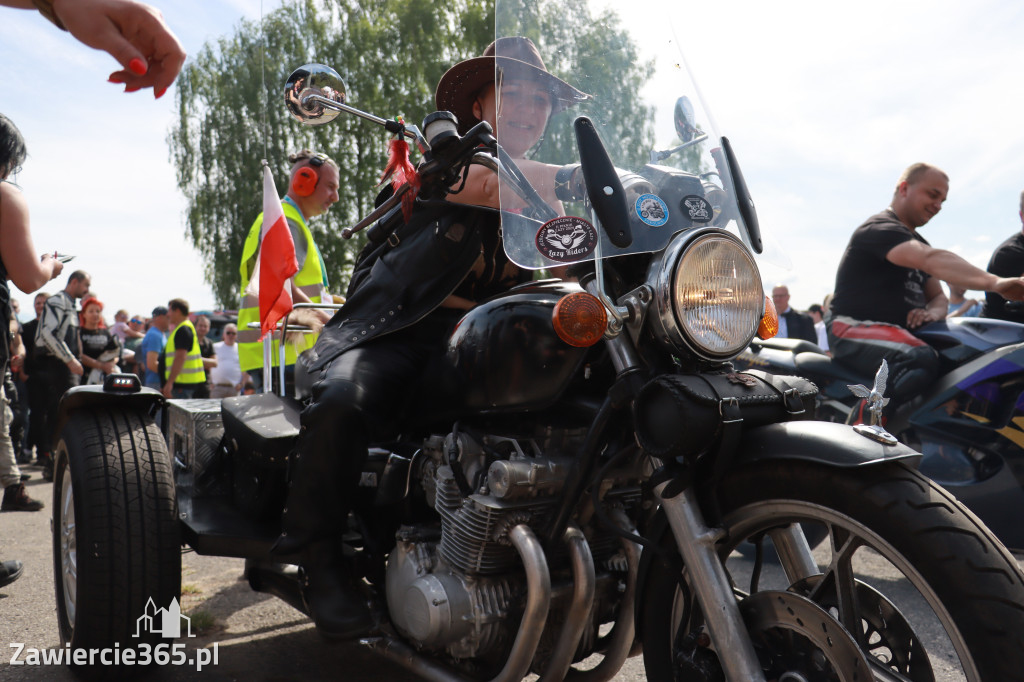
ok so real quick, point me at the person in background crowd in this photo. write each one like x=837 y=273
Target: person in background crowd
x=960 y=305
x=202 y=325
x=152 y=348
x=122 y=329
x=100 y=348
x=312 y=190
x=817 y=314
x=1007 y=261
x=36 y=391
x=792 y=324
x=888 y=284
x=17 y=392
x=226 y=376
x=57 y=350
x=183 y=364
x=15 y=494
x=137 y=364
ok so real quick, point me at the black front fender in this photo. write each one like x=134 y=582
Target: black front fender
x=79 y=397
x=822 y=442
x=825 y=443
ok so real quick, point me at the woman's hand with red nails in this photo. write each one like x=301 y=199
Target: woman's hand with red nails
x=132 y=33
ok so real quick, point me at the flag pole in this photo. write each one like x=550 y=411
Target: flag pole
x=268 y=369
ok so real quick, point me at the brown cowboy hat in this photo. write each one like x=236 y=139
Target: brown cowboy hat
x=519 y=59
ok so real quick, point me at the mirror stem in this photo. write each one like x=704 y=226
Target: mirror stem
x=392 y=126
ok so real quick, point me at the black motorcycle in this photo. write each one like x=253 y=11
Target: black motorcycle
x=586 y=464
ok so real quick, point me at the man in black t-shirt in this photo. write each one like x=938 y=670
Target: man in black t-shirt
x=1007 y=261
x=888 y=283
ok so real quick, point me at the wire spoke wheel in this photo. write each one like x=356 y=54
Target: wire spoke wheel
x=905 y=576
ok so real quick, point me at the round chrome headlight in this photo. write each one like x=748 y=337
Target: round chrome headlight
x=710 y=297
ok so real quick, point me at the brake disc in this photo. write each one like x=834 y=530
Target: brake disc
x=887 y=634
x=798 y=641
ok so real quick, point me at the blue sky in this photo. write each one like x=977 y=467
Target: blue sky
x=825 y=104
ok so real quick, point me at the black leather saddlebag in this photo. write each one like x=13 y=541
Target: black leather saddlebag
x=682 y=415
x=260 y=430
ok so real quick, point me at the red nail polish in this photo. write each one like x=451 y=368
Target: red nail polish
x=115 y=79
x=132 y=88
x=138 y=66
x=159 y=93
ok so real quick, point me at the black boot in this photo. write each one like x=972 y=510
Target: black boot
x=331 y=593
x=324 y=477
x=313 y=511
x=10 y=571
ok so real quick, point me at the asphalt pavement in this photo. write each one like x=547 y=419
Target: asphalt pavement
x=256 y=636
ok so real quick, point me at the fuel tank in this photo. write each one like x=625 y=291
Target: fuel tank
x=507 y=354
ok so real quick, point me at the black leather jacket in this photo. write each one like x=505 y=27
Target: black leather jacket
x=398 y=285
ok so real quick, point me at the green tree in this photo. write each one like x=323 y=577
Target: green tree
x=574 y=42
x=231 y=114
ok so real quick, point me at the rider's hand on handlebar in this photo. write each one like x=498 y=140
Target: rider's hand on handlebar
x=1010 y=288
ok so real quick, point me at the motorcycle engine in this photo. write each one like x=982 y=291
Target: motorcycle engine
x=462 y=589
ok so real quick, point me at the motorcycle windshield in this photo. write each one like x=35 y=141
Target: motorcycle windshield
x=621 y=66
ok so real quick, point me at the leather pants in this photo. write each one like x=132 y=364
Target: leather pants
x=360 y=396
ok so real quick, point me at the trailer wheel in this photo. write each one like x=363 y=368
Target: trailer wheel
x=116 y=546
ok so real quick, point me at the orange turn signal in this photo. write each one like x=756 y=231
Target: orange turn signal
x=769 y=326
x=580 y=319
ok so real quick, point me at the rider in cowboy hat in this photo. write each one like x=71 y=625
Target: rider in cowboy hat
x=372 y=355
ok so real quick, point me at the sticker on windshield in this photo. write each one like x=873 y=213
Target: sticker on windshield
x=567 y=239
x=652 y=210
x=697 y=208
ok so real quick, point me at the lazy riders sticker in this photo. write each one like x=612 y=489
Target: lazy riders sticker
x=652 y=210
x=697 y=208
x=567 y=239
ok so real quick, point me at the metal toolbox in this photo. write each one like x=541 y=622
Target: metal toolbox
x=194 y=431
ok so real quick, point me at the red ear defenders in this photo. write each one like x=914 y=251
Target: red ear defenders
x=306 y=178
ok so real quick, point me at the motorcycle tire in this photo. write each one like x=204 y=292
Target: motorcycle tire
x=116 y=540
x=928 y=575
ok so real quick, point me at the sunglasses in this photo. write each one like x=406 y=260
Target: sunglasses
x=318 y=159
x=230 y=333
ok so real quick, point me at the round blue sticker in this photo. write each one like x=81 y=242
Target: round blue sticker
x=652 y=210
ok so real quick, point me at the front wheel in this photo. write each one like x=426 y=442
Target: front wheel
x=116 y=547
x=908 y=576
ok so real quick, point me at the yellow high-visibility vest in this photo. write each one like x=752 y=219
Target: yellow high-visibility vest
x=309 y=279
x=192 y=371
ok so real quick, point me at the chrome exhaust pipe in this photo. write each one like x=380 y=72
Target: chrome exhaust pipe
x=404 y=655
x=538 y=583
x=584 y=580
x=624 y=631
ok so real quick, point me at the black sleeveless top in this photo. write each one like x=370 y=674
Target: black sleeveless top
x=6 y=314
